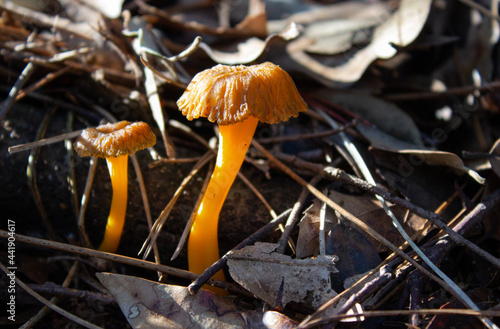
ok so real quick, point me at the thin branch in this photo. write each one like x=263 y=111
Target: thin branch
x=355 y=220
x=160 y=221
x=120 y=259
x=45 y=310
x=21 y=80
x=294 y=216
x=43 y=142
x=340 y=175
x=56 y=290
x=50 y=305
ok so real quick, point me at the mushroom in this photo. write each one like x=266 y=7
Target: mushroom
x=115 y=142
x=237 y=98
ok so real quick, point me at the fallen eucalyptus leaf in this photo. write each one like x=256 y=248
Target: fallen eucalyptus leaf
x=399 y=30
x=409 y=159
x=249 y=50
x=333 y=36
x=147 y=304
x=278 y=279
x=111 y=8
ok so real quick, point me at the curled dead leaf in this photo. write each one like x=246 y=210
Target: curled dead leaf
x=278 y=279
x=399 y=30
x=251 y=49
x=148 y=304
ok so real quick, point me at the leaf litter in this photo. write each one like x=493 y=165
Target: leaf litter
x=371 y=66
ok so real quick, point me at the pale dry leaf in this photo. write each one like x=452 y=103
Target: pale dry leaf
x=414 y=158
x=249 y=50
x=279 y=279
x=333 y=36
x=305 y=14
x=399 y=30
x=109 y=8
x=147 y=304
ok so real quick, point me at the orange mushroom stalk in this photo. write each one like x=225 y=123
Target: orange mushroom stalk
x=237 y=98
x=115 y=142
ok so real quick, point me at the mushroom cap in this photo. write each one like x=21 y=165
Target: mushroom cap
x=230 y=94
x=114 y=139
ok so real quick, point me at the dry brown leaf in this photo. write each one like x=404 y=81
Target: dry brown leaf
x=278 y=279
x=249 y=50
x=399 y=30
x=355 y=253
x=369 y=210
x=148 y=304
x=334 y=36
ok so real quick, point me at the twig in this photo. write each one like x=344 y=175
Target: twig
x=294 y=216
x=189 y=223
x=50 y=305
x=83 y=29
x=119 y=259
x=144 y=40
x=46 y=79
x=217 y=266
x=279 y=139
x=362 y=294
x=53 y=289
x=145 y=202
x=424 y=312
x=162 y=160
x=363 y=226
x=21 y=80
x=160 y=221
x=43 y=142
x=70 y=163
x=490 y=13
x=457 y=91
x=457 y=291
x=63 y=105
x=45 y=310
x=85 y=201
x=340 y=175
x=257 y=194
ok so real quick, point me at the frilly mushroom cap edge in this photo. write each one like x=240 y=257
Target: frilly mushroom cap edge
x=114 y=139
x=230 y=94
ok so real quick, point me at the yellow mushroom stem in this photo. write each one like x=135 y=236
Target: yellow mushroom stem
x=203 y=247
x=118 y=171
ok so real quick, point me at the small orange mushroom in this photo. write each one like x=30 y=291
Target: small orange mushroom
x=115 y=142
x=237 y=98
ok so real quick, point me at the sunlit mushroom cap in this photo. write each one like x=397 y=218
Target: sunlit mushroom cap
x=114 y=139
x=230 y=94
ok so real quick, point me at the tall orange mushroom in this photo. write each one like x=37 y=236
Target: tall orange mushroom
x=237 y=98
x=115 y=142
